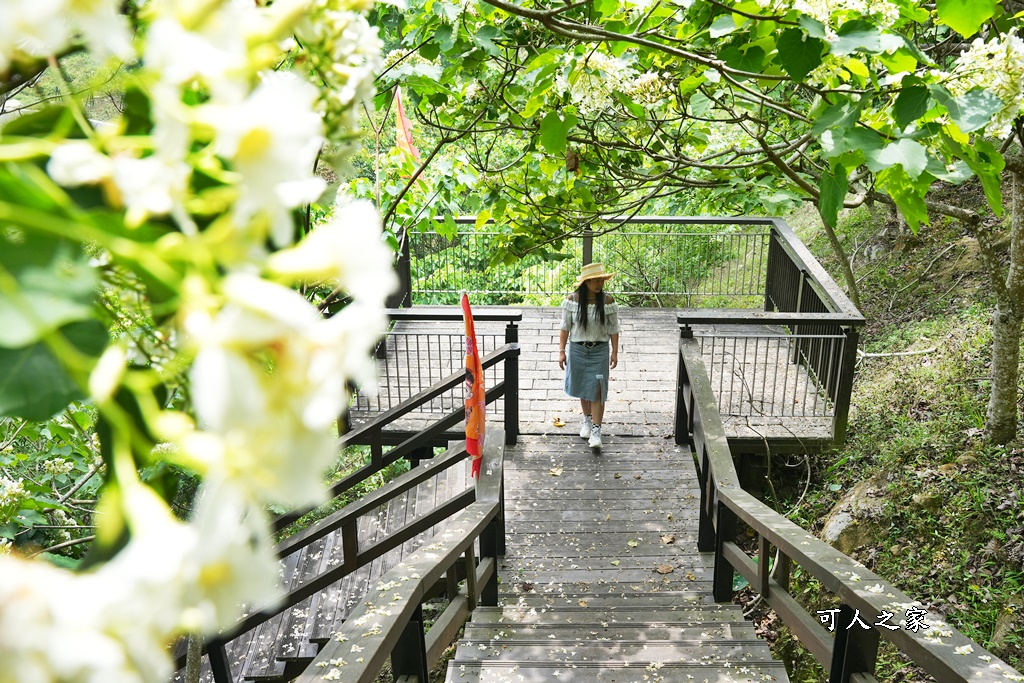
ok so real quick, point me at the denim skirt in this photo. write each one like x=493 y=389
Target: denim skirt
x=586 y=372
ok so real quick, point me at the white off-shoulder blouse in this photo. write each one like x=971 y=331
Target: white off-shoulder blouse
x=595 y=330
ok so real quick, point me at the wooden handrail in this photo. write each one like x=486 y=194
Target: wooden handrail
x=741 y=316
x=378 y=624
x=446 y=314
x=822 y=282
x=413 y=402
x=937 y=651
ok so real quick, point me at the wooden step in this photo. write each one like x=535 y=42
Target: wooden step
x=616 y=631
x=541 y=672
x=582 y=650
x=601 y=612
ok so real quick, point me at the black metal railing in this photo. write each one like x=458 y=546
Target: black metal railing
x=389 y=621
x=667 y=261
x=422 y=347
x=848 y=652
x=789 y=366
x=345 y=521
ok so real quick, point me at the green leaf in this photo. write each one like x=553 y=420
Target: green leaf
x=813 y=27
x=908 y=153
x=700 y=104
x=723 y=25
x=61 y=561
x=976 y=109
x=965 y=16
x=911 y=104
x=34 y=384
x=553 y=130
x=834 y=185
x=957 y=173
x=799 y=53
x=908 y=196
x=607 y=8
x=749 y=59
x=52 y=286
x=971 y=111
x=987 y=163
x=856 y=36
x=842 y=114
x=484 y=37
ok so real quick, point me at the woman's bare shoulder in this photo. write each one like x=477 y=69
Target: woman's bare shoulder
x=571 y=296
x=609 y=299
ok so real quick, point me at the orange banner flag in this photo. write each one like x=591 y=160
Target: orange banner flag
x=476 y=395
x=403 y=128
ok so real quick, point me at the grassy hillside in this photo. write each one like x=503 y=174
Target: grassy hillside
x=947 y=526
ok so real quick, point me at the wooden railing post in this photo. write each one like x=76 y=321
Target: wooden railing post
x=841 y=418
x=511 y=379
x=854 y=649
x=588 y=246
x=409 y=658
x=489 y=542
x=682 y=417
x=725 y=531
x=706 y=524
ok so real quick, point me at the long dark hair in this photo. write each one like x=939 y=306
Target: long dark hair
x=581 y=300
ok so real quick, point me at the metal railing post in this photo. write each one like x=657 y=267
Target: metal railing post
x=854 y=649
x=511 y=388
x=402 y=297
x=409 y=658
x=219 y=665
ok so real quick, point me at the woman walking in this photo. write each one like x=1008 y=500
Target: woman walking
x=590 y=325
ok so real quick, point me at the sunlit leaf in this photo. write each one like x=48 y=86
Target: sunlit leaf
x=965 y=16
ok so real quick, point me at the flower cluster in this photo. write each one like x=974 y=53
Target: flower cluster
x=834 y=12
x=55 y=467
x=223 y=158
x=12 y=494
x=342 y=50
x=592 y=84
x=997 y=66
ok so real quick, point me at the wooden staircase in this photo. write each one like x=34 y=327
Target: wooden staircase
x=602 y=580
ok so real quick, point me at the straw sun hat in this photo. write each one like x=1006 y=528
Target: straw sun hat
x=593 y=271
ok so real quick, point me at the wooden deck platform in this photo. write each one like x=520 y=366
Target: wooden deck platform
x=764 y=397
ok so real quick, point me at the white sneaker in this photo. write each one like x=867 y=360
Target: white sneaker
x=595 y=436
x=588 y=423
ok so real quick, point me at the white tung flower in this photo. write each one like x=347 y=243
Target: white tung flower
x=77 y=162
x=348 y=249
x=214 y=54
x=268 y=381
x=59 y=626
x=996 y=66
x=272 y=139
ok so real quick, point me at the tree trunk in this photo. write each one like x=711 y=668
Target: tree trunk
x=844 y=261
x=1001 y=419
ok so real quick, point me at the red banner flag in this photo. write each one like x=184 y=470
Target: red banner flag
x=476 y=398
x=403 y=128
